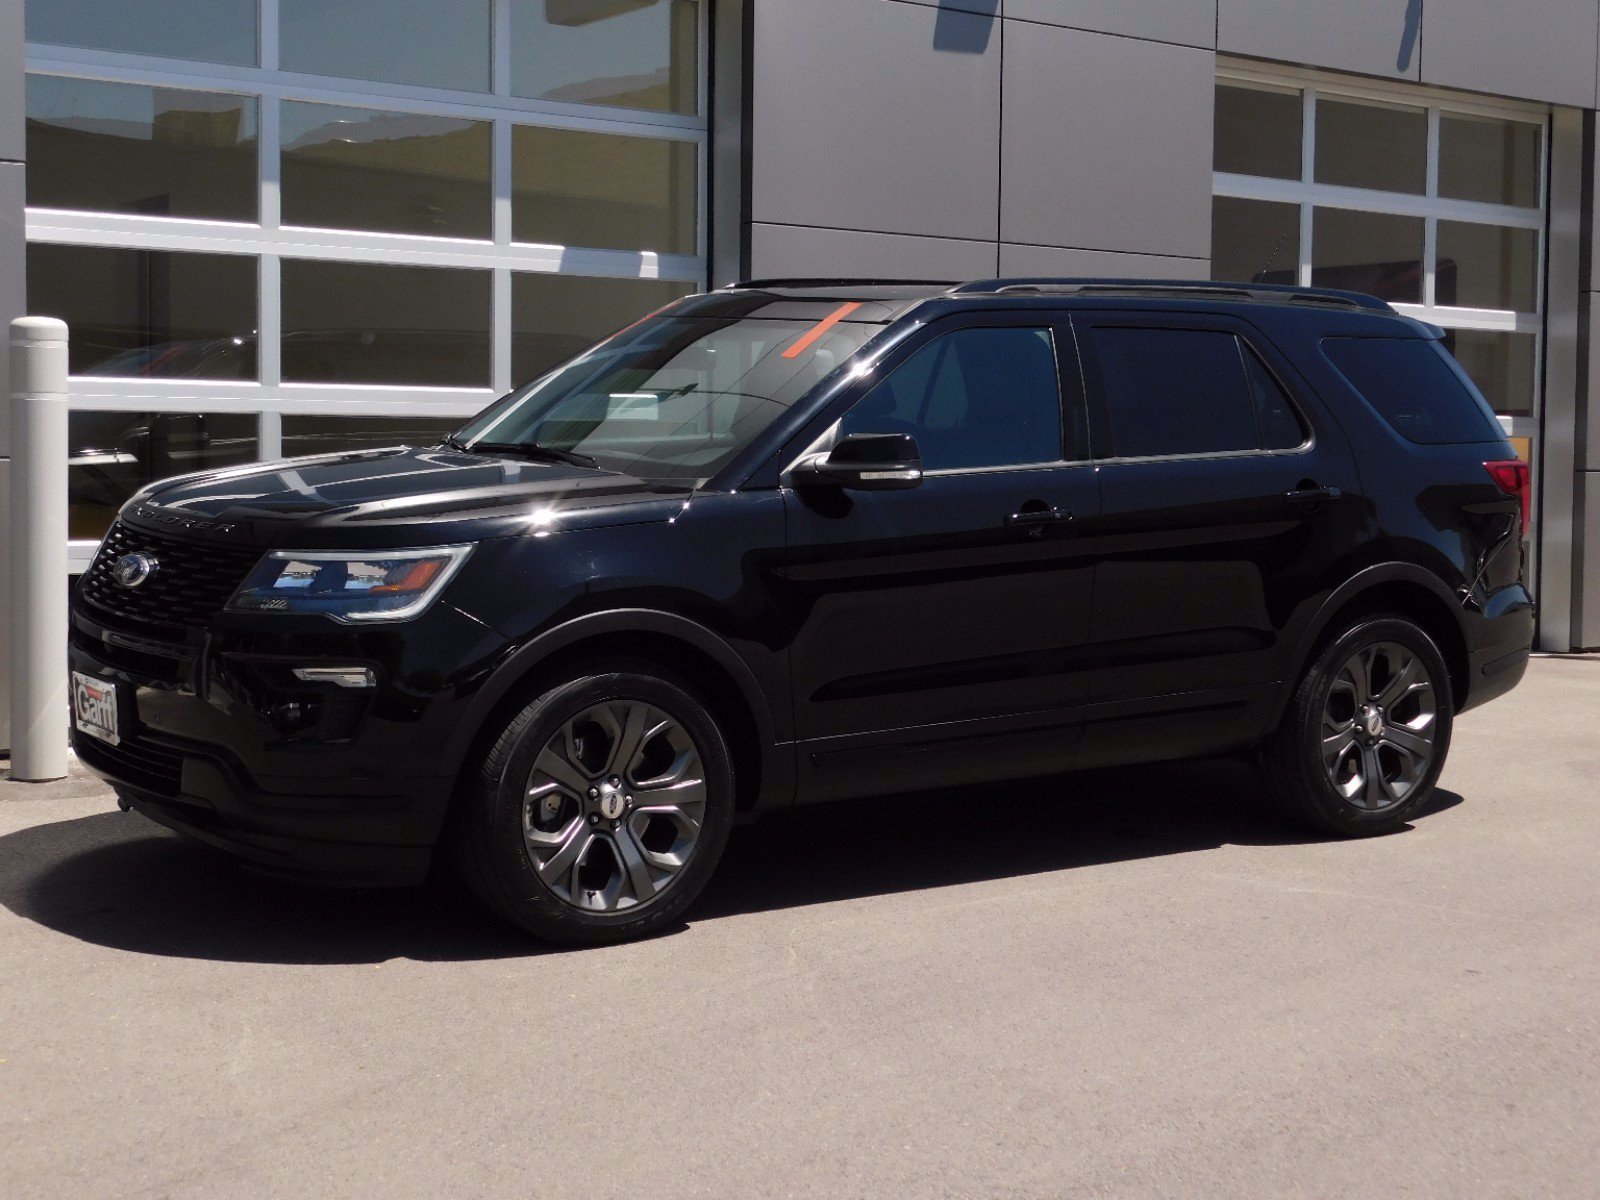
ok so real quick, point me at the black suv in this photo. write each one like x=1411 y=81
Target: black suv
x=800 y=540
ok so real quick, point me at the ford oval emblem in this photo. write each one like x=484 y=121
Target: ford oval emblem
x=131 y=570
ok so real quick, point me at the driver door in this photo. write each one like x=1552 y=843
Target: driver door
x=939 y=633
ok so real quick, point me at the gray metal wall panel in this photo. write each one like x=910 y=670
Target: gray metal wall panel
x=788 y=250
x=1107 y=142
x=12 y=133
x=1056 y=260
x=1559 y=449
x=1374 y=37
x=11 y=284
x=1540 y=51
x=1189 y=22
x=876 y=116
x=728 y=219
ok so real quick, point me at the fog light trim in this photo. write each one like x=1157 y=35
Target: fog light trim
x=345 y=677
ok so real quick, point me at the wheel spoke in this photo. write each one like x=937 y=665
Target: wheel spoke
x=1407 y=679
x=687 y=798
x=568 y=855
x=1359 y=668
x=1337 y=745
x=553 y=761
x=1374 y=794
x=632 y=856
x=632 y=735
x=1409 y=741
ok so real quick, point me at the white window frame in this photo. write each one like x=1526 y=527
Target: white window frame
x=1306 y=193
x=269 y=242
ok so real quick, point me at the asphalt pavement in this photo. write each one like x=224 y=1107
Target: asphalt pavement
x=1129 y=984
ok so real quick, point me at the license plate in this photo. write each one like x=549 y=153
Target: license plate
x=94 y=707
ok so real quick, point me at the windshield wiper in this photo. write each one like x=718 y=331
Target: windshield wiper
x=531 y=450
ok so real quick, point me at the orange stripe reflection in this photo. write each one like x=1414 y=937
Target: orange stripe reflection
x=808 y=339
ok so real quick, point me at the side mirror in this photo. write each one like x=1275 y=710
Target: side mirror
x=863 y=462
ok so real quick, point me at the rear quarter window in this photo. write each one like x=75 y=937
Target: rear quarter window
x=1412 y=384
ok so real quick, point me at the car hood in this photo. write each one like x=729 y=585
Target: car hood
x=398 y=497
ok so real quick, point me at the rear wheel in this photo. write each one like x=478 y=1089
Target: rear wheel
x=1364 y=738
x=601 y=809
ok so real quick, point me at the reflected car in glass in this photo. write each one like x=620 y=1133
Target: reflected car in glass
x=797 y=541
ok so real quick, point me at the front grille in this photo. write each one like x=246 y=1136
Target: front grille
x=191 y=583
x=134 y=761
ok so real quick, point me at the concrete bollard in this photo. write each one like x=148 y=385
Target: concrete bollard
x=38 y=575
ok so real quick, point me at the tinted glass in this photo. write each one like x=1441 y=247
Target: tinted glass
x=973 y=398
x=362 y=168
x=1255 y=241
x=1257 y=132
x=419 y=42
x=1368 y=252
x=123 y=147
x=1489 y=160
x=572 y=188
x=675 y=398
x=1412 y=386
x=1372 y=146
x=1503 y=365
x=149 y=312
x=111 y=455
x=361 y=323
x=1278 y=424
x=221 y=31
x=636 y=54
x=304 y=434
x=1174 y=391
x=1487 y=266
x=554 y=317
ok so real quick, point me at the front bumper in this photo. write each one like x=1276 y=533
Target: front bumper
x=309 y=781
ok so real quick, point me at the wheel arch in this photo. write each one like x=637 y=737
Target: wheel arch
x=677 y=643
x=1403 y=588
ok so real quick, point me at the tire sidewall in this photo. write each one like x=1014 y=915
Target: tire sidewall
x=523 y=895
x=1330 y=806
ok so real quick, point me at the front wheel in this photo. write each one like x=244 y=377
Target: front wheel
x=1364 y=738
x=601 y=809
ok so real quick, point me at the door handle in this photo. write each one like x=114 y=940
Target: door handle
x=1038 y=516
x=1312 y=494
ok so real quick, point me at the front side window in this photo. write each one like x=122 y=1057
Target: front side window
x=985 y=397
x=674 y=397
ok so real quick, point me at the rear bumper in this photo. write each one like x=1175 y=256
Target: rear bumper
x=1495 y=672
x=1502 y=639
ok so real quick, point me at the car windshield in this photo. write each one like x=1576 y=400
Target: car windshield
x=673 y=397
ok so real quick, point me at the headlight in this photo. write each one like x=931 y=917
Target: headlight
x=392 y=585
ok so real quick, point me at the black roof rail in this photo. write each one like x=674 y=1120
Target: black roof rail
x=1258 y=292
x=745 y=285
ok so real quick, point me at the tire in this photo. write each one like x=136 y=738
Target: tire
x=549 y=842
x=1369 y=776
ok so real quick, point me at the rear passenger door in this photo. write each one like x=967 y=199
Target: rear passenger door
x=1225 y=496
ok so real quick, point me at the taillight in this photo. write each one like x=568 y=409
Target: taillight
x=1516 y=480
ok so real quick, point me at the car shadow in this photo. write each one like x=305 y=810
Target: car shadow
x=120 y=881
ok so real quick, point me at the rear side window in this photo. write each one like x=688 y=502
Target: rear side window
x=1189 y=391
x=1411 y=384
x=1277 y=423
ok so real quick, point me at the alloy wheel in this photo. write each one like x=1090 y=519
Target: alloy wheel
x=614 y=806
x=1379 y=725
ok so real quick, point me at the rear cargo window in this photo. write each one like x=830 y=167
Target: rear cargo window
x=1412 y=385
